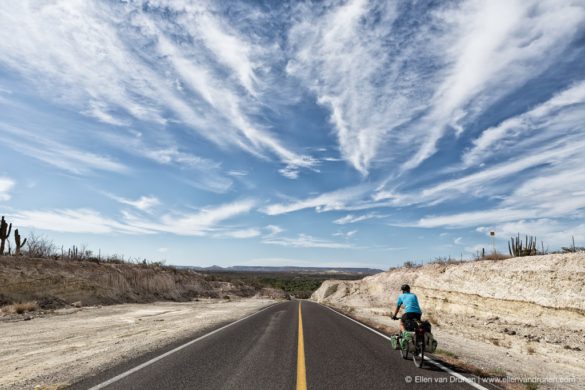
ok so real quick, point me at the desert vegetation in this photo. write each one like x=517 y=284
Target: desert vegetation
x=297 y=284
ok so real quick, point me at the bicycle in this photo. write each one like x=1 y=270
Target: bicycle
x=415 y=344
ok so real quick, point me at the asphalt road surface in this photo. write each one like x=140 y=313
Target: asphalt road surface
x=290 y=345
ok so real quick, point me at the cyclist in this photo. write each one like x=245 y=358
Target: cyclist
x=412 y=309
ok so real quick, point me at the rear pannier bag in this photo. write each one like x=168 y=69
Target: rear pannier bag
x=406 y=343
x=426 y=325
x=430 y=343
x=394 y=342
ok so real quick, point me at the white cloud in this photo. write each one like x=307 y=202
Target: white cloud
x=238 y=173
x=203 y=223
x=69 y=158
x=200 y=223
x=6 y=185
x=475 y=218
x=345 y=235
x=500 y=45
x=401 y=93
x=273 y=230
x=290 y=172
x=549 y=233
x=241 y=233
x=73 y=221
x=351 y=218
x=507 y=134
x=95 y=63
x=204 y=173
x=305 y=241
x=335 y=200
x=290 y=262
x=144 y=203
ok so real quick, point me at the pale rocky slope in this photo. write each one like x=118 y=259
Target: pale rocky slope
x=515 y=314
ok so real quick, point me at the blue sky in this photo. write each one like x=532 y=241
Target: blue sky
x=348 y=133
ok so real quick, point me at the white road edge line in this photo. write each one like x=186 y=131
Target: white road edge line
x=156 y=359
x=439 y=365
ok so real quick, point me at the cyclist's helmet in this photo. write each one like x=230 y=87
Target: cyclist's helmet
x=405 y=288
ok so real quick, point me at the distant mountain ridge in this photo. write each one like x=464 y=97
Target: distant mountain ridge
x=247 y=268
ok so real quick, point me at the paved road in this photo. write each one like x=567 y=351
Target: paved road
x=262 y=352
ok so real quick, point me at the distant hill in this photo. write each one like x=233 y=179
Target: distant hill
x=320 y=270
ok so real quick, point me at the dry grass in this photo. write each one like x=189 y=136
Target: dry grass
x=20 y=308
x=443 y=352
x=25 y=279
x=50 y=387
x=495 y=256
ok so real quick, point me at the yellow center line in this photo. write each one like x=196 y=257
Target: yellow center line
x=301 y=372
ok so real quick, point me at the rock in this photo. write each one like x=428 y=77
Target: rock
x=76 y=304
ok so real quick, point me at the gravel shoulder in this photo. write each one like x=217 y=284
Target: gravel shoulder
x=62 y=347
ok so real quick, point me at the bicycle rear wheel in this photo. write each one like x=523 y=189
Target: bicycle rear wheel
x=404 y=352
x=418 y=356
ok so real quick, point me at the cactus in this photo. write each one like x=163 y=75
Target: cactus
x=4 y=233
x=518 y=249
x=19 y=244
x=73 y=252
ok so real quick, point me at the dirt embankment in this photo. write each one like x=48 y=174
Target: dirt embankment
x=50 y=282
x=514 y=315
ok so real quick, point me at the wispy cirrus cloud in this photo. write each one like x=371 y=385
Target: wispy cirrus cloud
x=203 y=173
x=306 y=241
x=560 y=116
x=70 y=158
x=334 y=200
x=73 y=221
x=377 y=81
x=201 y=223
x=6 y=185
x=346 y=235
x=550 y=233
x=144 y=203
x=206 y=222
x=239 y=233
x=351 y=218
x=130 y=63
x=494 y=48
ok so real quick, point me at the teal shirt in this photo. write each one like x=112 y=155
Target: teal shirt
x=410 y=302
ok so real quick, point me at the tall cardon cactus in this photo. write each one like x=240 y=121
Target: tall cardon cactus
x=19 y=244
x=518 y=249
x=4 y=234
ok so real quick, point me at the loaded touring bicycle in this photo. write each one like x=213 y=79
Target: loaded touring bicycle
x=416 y=340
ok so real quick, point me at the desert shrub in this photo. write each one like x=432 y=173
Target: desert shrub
x=331 y=290
x=39 y=247
x=447 y=260
x=20 y=308
x=493 y=256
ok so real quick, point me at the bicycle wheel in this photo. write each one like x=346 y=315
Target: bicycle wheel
x=418 y=356
x=404 y=352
